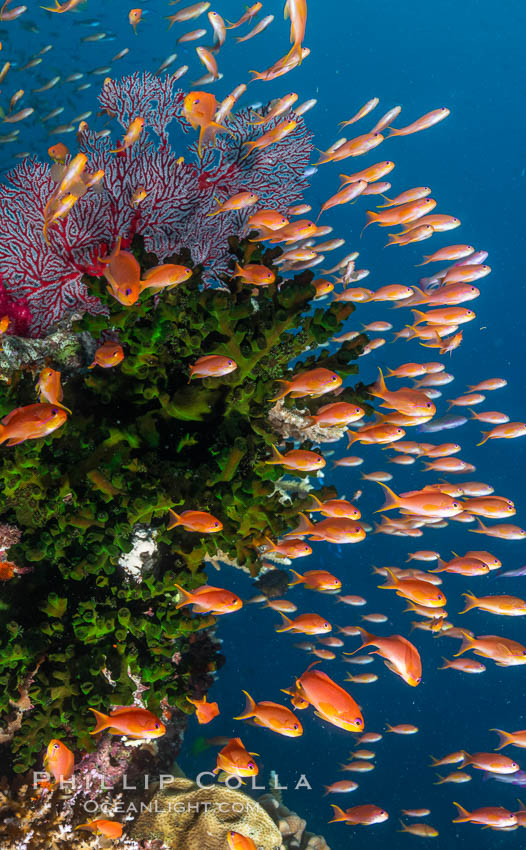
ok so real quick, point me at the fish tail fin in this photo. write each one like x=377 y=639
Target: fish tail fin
x=522 y=807
x=393 y=240
x=286 y=624
x=393 y=132
x=480 y=530
x=391 y=499
x=305 y=527
x=463 y=814
x=339 y=814
x=388 y=727
x=288 y=385
x=353 y=437
x=446 y=665
x=486 y=437
x=270 y=543
x=187 y=597
x=427 y=259
x=392 y=584
x=379 y=388
x=277 y=457
x=249 y=708
x=175 y=520
x=471 y=602
x=505 y=738
x=388 y=204
x=103 y=721
x=299 y=579
x=474 y=414
x=467 y=643
x=327 y=790
x=371 y=218
x=237 y=270
x=441 y=779
x=317 y=501
x=402 y=824
x=417 y=313
x=427 y=466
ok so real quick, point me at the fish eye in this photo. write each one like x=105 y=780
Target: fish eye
x=358 y=721
x=216 y=524
x=456 y=505
x=56 y=747
x=127 y=291
x=157 y=726
x=251 y=764
x=326 y=625
x=295 y=726
x=428 y=404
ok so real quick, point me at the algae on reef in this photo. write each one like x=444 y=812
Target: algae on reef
x=141 y=440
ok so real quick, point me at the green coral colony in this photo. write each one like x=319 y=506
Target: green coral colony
x=141 y=440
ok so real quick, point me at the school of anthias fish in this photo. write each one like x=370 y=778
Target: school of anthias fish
x=438 y=311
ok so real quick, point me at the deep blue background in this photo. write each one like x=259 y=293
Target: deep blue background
x=467 y=56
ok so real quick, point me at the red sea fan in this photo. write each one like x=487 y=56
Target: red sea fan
x=173 y=215
x=46 y=276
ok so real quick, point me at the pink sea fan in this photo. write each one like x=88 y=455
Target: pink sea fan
x=174 y=214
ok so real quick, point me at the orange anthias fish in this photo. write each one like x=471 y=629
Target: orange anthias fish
x=239 y=201
x=200 y=521
x=59 y=760
x=205 y=711
x=421 y=592
x=132 y=134
x=331 y=701
x=50 y=389
x=492 y=762
x=305 y=624
x=235 y=760
x=337 y=414
x=165 y=276
x=332 y=530
x=123 y=274
x=199 y=109
x=254 y=274
x=314 y=383
x=296 y=548
x=511 y=606
x=316 y=580
x=399 y=655
x=366 y=815
x=31 y=423
x=236 y=841
x=504 y=651
x=108 y=355
x=209 y=600
x=508 y=431
x=107 y=828
x=405 y=400
x=212 y=366
x=426 y=502
x=134 y=18
x=132 y=721
x=280 y=131
x=66 y=7
x=493 y=816
x=247 y=16
x=298 y=459
x=335 y=508
x=427 y=120
x=272 y=716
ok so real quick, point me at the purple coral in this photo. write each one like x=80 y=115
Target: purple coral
x=173 y=215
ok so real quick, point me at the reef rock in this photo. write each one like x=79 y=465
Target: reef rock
x=187 y=817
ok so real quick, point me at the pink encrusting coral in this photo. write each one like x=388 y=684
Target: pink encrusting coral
x=173 y=215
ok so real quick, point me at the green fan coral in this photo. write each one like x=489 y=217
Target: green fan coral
x=141 y=440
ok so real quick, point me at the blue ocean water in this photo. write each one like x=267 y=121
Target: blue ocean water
x=467 y=57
